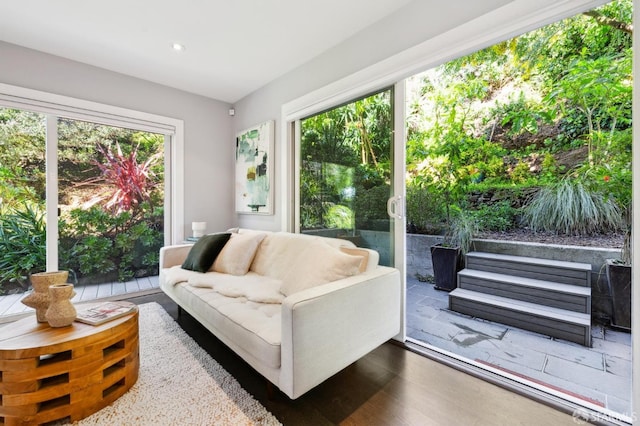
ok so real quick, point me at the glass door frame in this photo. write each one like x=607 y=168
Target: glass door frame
x=517 y=18
x=291 y=135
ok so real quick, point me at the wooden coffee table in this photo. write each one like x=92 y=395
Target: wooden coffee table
x=48 y=374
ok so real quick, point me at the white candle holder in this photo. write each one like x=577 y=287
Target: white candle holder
x=198 y=228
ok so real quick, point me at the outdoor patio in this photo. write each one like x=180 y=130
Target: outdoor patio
x=600 y=375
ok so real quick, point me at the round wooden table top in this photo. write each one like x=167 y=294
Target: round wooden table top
x=70 y=372
x=32 y=338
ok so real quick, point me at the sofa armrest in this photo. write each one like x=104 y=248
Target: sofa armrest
x=328 y=327
x=173 y=255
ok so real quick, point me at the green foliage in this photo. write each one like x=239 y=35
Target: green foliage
x=22 y=152
x=346 y=157
x=370 y=207
x=520 y=115
x=424 y=210
x=95 y=241
x=541 y=95
x=22 y=245
x=339 y=217
x=601 y=90
x=520 y=173
x=572 y=208
x=499 y=216
x=464 y=226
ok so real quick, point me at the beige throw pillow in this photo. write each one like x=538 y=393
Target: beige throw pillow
x=355 y=251
x=237 y=255
x=321 y=263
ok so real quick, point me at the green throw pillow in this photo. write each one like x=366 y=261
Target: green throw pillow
x=205 y=251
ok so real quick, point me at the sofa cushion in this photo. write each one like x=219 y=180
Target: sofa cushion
x=280 y=250
x=255 y=328
x=236 y=256
x=321 y=263
x=205 y=251
x=254 y=287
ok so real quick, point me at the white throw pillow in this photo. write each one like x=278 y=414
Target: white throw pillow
x=322 y=264
x=236 y=256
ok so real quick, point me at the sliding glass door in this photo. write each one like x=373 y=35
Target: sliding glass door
x=103 y=186
x=346 y=173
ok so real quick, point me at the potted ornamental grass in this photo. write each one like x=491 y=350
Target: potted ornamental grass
x=447 y=257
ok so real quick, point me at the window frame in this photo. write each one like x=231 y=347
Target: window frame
x=54 y=106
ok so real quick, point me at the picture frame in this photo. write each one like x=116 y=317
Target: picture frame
x=254 y=190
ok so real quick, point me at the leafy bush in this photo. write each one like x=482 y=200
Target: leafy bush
x=370 y=206
x=339 y=217
x=569 y=207
x=499 y=216
x=22 y=245
x=424 y=210
x=95 y=242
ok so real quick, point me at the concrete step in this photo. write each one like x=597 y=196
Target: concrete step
x=559 y=323
x=563 y=296
x=558 y=271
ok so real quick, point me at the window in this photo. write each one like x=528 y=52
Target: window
x=107 y=173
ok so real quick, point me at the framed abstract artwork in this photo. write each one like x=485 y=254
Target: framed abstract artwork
x=254 y=169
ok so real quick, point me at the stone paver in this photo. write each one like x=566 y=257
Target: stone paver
x=611 y=348
x=555 y=383
x=516 y=354
x=618 y=366
x=601 y=374
x=566 y=350
x=617 y=336
x=449 y=346
x=599 y=380
x=471 y=326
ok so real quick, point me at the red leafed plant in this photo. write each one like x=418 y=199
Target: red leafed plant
x=133 y=181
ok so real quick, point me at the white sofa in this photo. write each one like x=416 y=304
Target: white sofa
x=300 y=314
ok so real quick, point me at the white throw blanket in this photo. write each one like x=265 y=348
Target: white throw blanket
x=254 y=287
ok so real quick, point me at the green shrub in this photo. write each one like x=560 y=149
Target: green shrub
x=499 y=216
x=95 y=242
x=370 y=206
x=424 y=210
x=569 y=207
x=339 y=217
x=22 y=245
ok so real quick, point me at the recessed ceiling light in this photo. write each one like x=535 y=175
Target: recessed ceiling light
x=178 y=47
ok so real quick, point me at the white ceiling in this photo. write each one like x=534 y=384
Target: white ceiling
x=233 y=47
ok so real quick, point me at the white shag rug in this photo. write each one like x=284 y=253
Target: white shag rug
x=179 y=384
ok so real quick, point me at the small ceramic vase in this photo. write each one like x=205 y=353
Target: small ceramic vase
x=39 y=297
x=61 y=311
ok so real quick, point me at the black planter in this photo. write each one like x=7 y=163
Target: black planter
x=619 y=279
x=446 y=264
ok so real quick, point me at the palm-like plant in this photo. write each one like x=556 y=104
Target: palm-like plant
x=22 y=245
x=133 y=181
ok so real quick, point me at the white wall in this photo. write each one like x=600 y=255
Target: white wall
x=410 y=25
x=208 y=140
x=423 y=34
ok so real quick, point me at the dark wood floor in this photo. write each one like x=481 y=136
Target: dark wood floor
x=389 y=386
